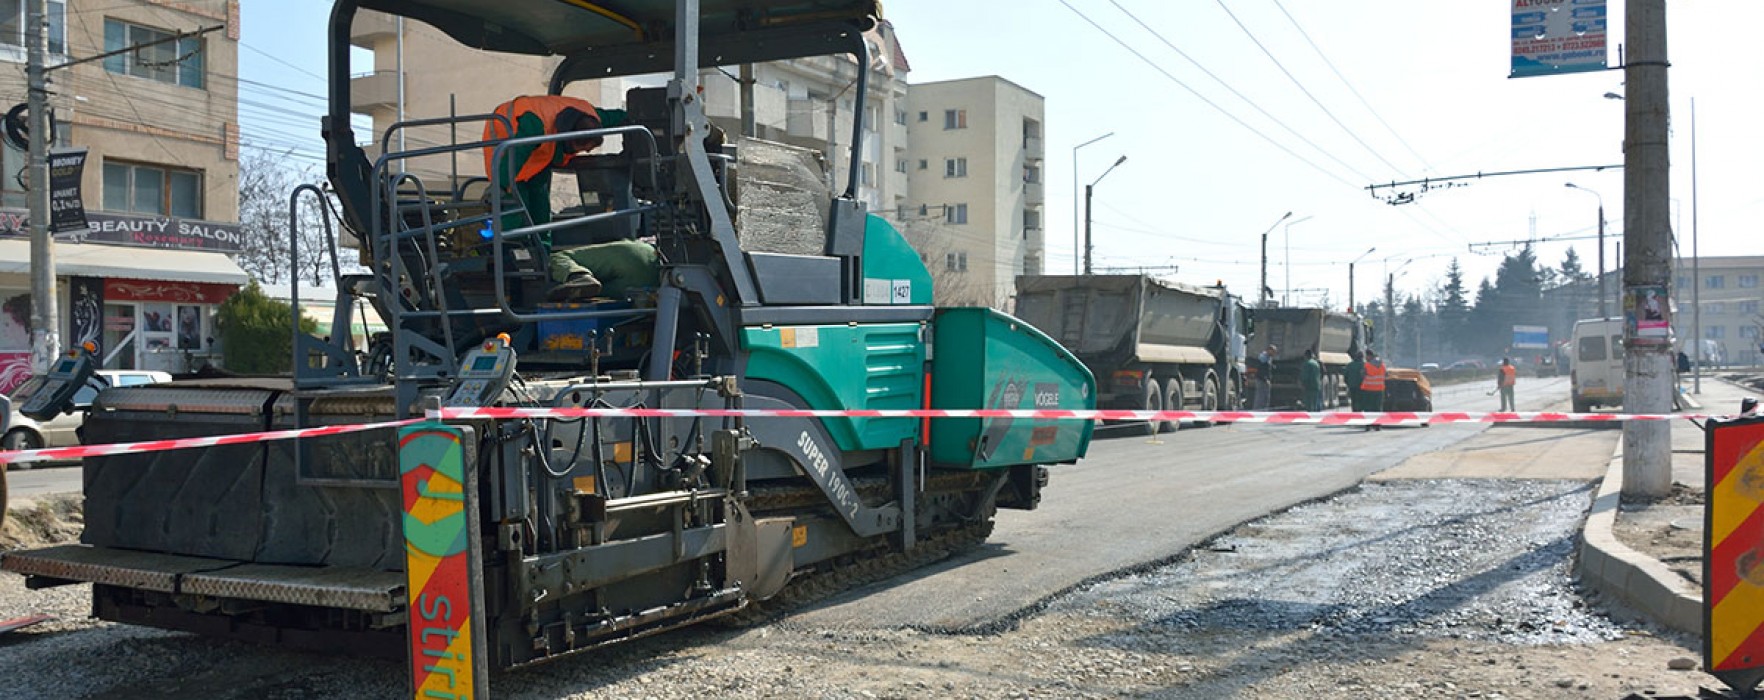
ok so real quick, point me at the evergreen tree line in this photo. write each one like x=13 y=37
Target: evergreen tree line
x=1450 y=323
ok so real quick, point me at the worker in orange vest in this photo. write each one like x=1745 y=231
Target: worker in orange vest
x=1372 y=385
x=540 y=115
x=1506 y=377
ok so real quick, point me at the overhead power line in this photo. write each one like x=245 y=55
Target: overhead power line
x=1203 y=98
x=1222 y=82
x=1301 y=86
x=1350 y=86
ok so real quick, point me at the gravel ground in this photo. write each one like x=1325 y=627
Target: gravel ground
x=1402 y=589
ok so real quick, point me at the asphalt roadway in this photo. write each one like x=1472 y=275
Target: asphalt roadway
x=1134 y=502
x=1131 y=503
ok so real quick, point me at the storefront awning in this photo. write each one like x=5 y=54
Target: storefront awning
x=90 y=260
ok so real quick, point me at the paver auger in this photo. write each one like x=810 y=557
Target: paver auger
x=589 y=530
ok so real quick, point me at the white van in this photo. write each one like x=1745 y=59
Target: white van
x=1597 y=375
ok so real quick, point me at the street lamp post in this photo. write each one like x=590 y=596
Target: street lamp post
x=1286 y=241
x=1602 y=307
x=1088 y=190
x=1075 y=229
x=1351 y=263
x=1696 y=274
x=1390 y=305
x=1263 y=294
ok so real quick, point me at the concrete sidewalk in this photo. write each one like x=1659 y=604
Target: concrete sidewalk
x=1641 y=580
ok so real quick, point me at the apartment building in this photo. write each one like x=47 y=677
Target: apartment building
x=811 y=102
x=976 y=162
x=160 y=183
x=418 y=72
x=1728 y=292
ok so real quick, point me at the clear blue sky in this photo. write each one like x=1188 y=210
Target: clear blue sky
x=1199 y=186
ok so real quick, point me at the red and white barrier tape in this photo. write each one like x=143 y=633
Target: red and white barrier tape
x=1274 y=417
x=56 y=454
x=1277 y=417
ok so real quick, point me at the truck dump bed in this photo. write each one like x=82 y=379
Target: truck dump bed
x=1122 y=318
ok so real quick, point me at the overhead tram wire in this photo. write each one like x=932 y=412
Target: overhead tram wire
x=1203 y=98
x=1301 y=86
x=1252 y=103
x=1350 y=87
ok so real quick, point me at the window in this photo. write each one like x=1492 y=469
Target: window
x=1748 y=307
x=869 y=175
x=872 y=117
x=15 y=28
x=12 y=164
x=1748 y=281
x=1031 y=174
x=1031 y=218
x=1592 y=349
x=1715 y=307
x=900 y=165
x=900 y=117
x=955 y=119
x=955 y=167
x=924 y=210
x=924 y=116
x=1714 y=282
x=956 y=262
x=1715 y=332
x=924 y=164
x=176 y=62
x=955 y=214
x=148 y=189
x=1749 y=332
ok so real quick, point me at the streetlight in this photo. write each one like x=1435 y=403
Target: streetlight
x=1351 y=277
x=1075 y=229
x=1264 y=294
x=1602 y=308
x=1087 y=192
x=1287 y=243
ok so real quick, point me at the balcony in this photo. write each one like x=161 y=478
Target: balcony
x=807 y=124
x=1033 y=149
x=1033 y=194
x=370 y=27
x=376 y=90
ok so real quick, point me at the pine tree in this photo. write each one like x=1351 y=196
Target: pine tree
x=1454 y=309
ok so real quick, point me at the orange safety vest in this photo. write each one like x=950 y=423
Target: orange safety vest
x=546 y=107
x=1374 y=379
x=1509 y=375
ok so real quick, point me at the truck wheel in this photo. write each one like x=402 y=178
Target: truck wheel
x=1210 y=394
x=1172 y=402
x=1154 y=401
x=1234 y=393
x=1582 y=406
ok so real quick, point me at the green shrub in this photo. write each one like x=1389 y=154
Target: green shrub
x=255 y=334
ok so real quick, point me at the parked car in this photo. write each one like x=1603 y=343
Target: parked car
x=1430 y=366
x=1466 y=366
x=23 y=433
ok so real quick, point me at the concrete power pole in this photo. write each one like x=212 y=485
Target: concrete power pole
x=1648 y=366
x=45 y=314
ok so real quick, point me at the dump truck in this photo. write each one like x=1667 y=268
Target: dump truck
x=1338 y=337
x=1152 y=343
x=496 y=538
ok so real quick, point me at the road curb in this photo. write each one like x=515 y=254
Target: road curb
x=1642 y=582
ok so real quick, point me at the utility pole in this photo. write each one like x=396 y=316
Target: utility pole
x=1087 y=192
x=45 y=314
x=1389 y=312
x=1648 y=366
x=1696 y=274
x=1263 y=294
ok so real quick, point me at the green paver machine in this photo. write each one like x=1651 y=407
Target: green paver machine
x=589 y=530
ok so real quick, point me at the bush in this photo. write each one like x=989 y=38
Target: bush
x=254 y=332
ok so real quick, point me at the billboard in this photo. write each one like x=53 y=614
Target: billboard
x=1557 y=36
x=1531 y=337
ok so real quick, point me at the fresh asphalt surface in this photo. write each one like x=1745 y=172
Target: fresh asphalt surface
x=1130 y=503
x=1133 y=502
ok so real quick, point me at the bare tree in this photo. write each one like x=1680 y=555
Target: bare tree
x=265 y=184
x=950 y=256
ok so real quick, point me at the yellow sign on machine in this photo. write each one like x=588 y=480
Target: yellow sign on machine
x=1733 y=558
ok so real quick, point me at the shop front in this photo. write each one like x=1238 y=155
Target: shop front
x=147 y=303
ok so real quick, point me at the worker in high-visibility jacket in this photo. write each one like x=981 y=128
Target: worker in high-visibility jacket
x=1372 y=385
x=526 y=175
x=1507 y=377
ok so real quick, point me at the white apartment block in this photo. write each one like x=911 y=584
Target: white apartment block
x=1731 y=296
x=976 y=162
